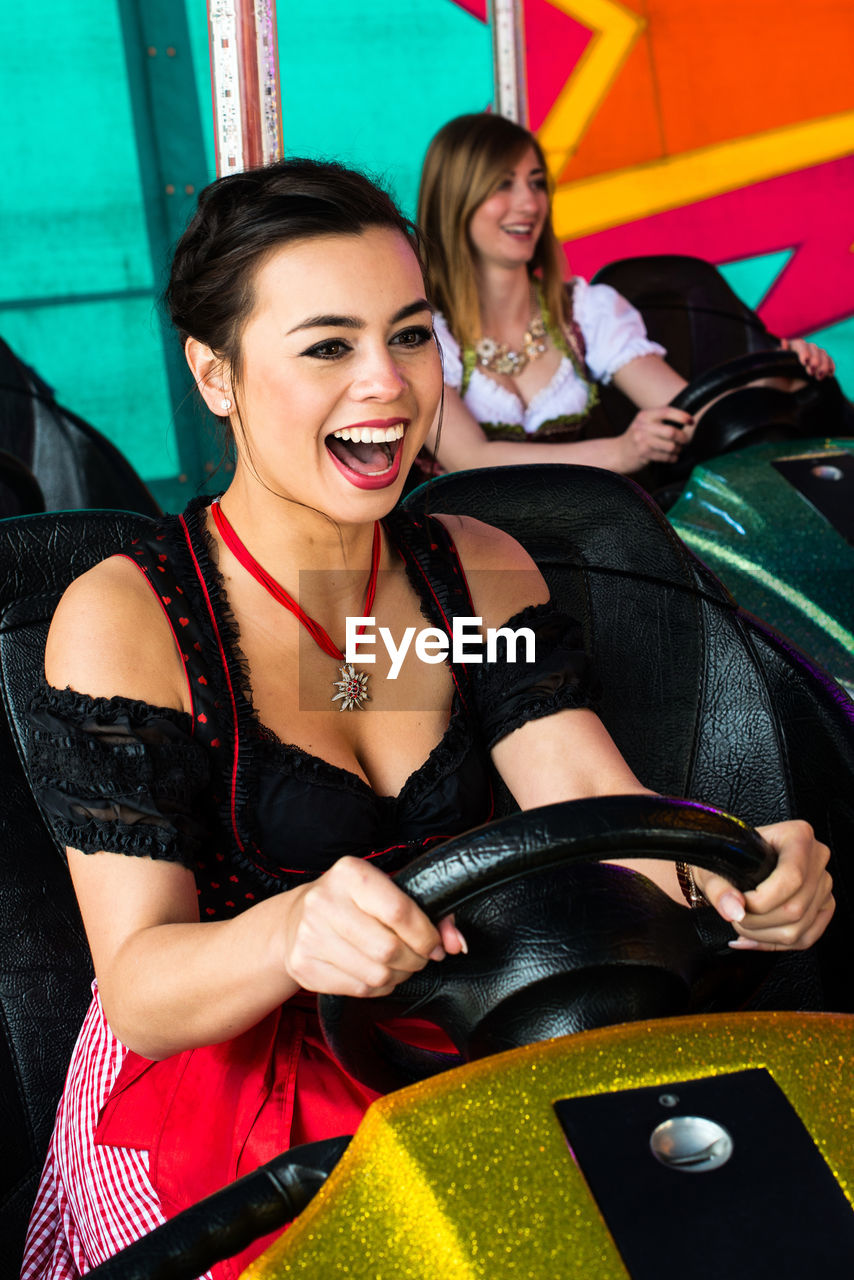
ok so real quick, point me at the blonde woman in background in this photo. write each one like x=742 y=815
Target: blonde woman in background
x=524 y=352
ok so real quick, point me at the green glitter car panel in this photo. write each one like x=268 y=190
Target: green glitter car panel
x=787 y=557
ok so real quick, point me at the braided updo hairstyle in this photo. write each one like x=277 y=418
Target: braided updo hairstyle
x=243 y=217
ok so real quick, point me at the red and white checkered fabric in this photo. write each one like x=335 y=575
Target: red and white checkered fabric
x=92 y=1200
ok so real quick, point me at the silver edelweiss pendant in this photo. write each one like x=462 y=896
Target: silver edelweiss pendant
x=354 y=689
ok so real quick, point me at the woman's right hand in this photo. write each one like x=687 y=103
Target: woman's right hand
x=791 y=909
x=353 y=932
x=654 y=435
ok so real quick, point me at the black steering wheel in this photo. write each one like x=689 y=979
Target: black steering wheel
x=738 y=372
x=750 y=415
x=557 y=943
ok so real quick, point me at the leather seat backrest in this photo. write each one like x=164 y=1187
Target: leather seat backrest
x=689 y=308
x=703 y=701
x=75 y=466
x=45 y=970
x=657 y=632
x=20 y=492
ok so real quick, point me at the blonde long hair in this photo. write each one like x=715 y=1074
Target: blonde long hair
x=464 y=164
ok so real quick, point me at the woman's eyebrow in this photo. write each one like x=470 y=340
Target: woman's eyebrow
x=353 y=322
x=328 y=322
x=412 y=310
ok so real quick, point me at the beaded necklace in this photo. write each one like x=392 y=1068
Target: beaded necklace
x=498 y=356
x=569 y=344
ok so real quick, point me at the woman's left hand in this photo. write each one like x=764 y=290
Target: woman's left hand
x=789 y=910
x=815 y=359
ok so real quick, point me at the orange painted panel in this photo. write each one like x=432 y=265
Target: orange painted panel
x=709 y=70
x=627 y=128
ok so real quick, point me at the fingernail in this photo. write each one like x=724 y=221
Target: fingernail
x=464 y=946
x=438 y=953
x=744 y=944
x=730 y=907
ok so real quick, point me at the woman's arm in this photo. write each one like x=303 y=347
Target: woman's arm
x=463 y=444
x=649 y=382
x=168 y=981
x=570 y=755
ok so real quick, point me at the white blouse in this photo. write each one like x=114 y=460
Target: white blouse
x=614 y=333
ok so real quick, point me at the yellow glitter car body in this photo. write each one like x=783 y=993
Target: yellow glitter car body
x=468 y=1176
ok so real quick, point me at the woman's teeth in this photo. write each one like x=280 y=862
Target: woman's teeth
x=369 y=451
x=370 y=435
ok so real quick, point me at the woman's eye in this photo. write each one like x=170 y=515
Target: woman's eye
x=331 y=349
x=415 y=336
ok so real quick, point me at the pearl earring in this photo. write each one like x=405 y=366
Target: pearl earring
x=225 y=404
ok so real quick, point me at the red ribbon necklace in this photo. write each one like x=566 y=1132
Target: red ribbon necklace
x=353 y=684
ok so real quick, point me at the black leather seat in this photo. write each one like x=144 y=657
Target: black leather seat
x=689 y=308
x=75 y=466
x=702 y=701
x=45 y=968
x=20 y=491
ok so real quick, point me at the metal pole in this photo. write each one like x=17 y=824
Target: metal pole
x=506 y=18
x=245 y=83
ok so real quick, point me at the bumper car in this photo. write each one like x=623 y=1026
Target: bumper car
x=609 y=1044
x=764 y=495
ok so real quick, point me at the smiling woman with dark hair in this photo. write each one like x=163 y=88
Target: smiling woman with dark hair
x=230 y=833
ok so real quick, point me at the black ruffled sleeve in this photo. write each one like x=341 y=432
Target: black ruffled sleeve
x=509 y=694
x=118 y=775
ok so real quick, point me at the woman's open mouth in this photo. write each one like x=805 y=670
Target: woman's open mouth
x=368 y=454
x=519 y=230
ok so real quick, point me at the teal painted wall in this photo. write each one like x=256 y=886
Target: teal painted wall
x=107 y=137
x=77 y=290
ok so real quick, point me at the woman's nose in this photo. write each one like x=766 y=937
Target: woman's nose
x=525 y=199
x=379 y=377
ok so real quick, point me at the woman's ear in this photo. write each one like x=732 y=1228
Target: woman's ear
x=212 y=377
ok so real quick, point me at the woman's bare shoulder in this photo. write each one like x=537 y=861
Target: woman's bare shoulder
x=109 y=636
x=483 y=546
x=502 y=577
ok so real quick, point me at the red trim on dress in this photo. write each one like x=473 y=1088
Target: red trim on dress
x=456 y=555
x=221 y=647
x=460 y=566
x=376 y=853
x=448 y=627
x=122 y=555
